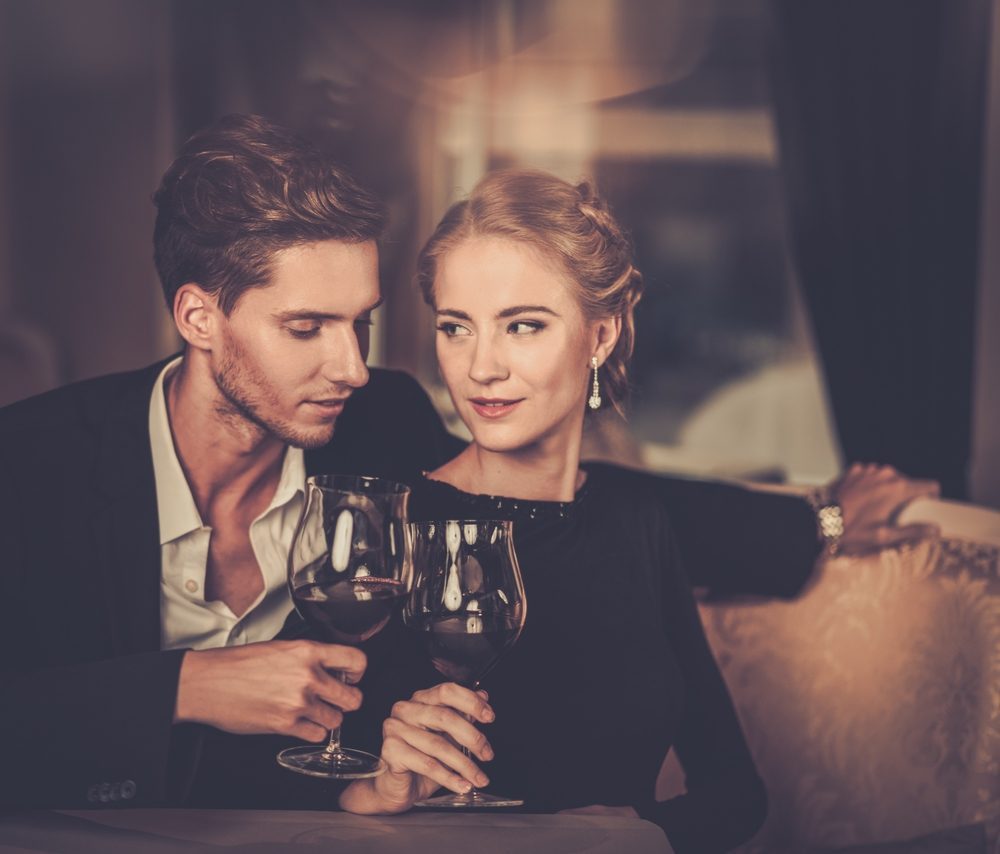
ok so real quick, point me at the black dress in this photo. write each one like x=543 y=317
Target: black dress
x=612 y=668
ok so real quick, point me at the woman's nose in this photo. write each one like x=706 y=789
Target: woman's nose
x=488 y=364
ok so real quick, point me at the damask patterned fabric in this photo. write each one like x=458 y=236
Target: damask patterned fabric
x=872 y=702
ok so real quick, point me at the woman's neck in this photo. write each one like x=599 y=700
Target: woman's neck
x=534 y=474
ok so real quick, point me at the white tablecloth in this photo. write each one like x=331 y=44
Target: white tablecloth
x=149 y=831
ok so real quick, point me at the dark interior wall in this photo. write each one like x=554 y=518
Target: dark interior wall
x=83 y=129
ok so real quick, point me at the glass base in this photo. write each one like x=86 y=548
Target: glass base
x=342 y=765
x=473 y=800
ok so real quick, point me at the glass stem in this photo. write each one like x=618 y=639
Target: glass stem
x=333 y=742
x=473 y=793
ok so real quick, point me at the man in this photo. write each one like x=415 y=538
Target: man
x=145 y=517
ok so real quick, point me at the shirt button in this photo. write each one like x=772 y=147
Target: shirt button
x=191 y=585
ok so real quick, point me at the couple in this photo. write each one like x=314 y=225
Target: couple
x=146 y=516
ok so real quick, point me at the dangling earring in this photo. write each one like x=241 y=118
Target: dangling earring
x=594 y=401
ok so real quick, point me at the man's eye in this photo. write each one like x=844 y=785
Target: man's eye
x=310 y=332
x=525 y=327
x=453 y=330
x=364 y=321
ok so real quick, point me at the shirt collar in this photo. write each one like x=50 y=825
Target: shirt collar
x=177 y=512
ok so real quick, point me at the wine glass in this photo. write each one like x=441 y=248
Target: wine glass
x=467 y=607
x=348 y=568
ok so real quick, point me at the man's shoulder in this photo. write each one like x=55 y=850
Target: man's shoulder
x=78 y=406
x=388 y=427
x=386 y=385
x=391 y=401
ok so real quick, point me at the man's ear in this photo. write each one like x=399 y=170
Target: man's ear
x=606 y=332
x=196 y=315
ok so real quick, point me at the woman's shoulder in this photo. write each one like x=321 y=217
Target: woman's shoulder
x=632 y=488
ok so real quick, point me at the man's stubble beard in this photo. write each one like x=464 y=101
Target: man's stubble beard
x=234 y=381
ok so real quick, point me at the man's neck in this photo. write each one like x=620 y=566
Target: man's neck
x=226 y=459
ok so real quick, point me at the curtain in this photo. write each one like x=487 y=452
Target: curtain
x=879 y=111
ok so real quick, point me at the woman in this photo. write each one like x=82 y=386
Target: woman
x=532 y=284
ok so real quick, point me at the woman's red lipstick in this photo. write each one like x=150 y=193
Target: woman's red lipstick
x=493 y=407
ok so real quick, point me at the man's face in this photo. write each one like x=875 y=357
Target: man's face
x=291 y=352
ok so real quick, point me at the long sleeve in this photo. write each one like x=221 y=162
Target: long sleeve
x=725 y=803
x=80 y=732
x=86 y=709
x=734 y=540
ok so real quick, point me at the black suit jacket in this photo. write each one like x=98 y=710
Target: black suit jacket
x=88 y=697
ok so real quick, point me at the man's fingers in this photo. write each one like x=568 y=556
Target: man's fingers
x=310 y=731
x=322 y=713
x=347 y=660
x=332 y=690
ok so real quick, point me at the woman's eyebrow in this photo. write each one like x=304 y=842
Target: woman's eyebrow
x=507 y=312
x=527 y=309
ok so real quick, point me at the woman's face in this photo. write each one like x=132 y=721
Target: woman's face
x=513 y=344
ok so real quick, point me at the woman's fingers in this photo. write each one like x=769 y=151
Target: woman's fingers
x=441 y=747
x=430 y=755
x=464 y=700
x=440 y=719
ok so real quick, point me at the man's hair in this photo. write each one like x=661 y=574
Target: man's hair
x=241 y=190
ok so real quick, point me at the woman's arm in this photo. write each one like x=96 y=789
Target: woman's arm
x=752 y=539
x=725 y=802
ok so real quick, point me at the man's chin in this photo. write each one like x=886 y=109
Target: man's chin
x=309 y=440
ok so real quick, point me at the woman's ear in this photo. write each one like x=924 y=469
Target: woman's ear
x=195 y=315
x=605 y=334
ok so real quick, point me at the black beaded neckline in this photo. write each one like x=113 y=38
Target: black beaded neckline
x=517 y=509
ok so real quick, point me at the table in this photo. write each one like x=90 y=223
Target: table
x=169 y=831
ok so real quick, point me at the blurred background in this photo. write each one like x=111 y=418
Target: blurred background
x=813 y=189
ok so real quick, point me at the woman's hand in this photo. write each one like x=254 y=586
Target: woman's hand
x=421 y=745
x=870 y=498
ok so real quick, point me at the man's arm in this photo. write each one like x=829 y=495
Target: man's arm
x=84 y=722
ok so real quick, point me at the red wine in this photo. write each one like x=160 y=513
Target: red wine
x=464 y=648
x=349 y=611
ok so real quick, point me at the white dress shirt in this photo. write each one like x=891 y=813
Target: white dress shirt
x=187 y=620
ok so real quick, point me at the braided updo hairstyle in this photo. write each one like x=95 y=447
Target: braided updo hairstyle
x=568 y=224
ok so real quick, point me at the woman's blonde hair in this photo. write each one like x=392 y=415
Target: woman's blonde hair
x=568 y=224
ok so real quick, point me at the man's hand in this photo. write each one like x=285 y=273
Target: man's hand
x=421 y=745
x=282 y=687
x=870 y=498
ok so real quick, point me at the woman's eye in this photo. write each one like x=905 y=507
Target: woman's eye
x=525 y=327
x=452 y=330
x=311 y=332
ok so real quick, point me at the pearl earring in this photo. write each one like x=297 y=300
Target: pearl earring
x=594 y=401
